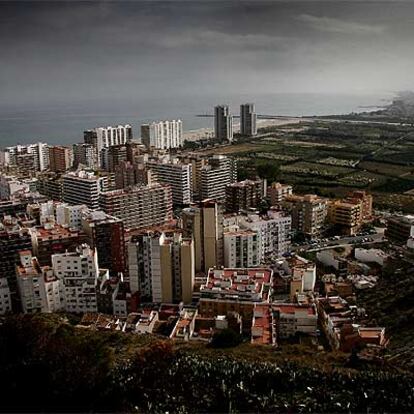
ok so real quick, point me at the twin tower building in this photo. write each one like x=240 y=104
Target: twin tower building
x=223 y=122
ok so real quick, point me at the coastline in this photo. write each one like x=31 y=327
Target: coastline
x=203 y=133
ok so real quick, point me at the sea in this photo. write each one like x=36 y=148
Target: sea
x=64 y=122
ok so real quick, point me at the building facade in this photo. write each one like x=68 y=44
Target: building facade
x=277 y=192
x=60 y=158
x=242 y=249
x=215 y=176
x=161 y=266
x=223 y=123
x=308 y=213
x=274 y=230
x=248 y=119
x=79 y=273
x=244 y=195
x=83 y=187
x=177 y=175
x=163 y=134
x=139 y=206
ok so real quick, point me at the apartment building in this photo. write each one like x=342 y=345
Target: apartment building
x=161 y=266
x=340 y=323
x=303 y=276
x=139 y=206
x=83 y=187
x=112 y=156
x=197 y=163
x=346 y=215
x=248 y=120
x=274 y=231
x=308 y=213
x=60 y=158
x=50 y=184
x=204 y=223
x=162 y=134
x=219 y=172
x=273 y=323
x=244 y=195
x=223 y=123
x=69 y=216
x=34 y=156
x=79 y=273
x=13 y=238
x=277 y=192
x=106 y=234
x=235 y=290
x=175 y=174
x=365 y=200
x=128 y=174
x=85 y=155
x=11 y=186
x=38 y=287
x=51 y=238
x=104 y=137
x=400 y=228
x=242 y=249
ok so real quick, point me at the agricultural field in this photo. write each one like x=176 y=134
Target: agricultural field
x=329 y=158
x=392 y=170
x=314 y=169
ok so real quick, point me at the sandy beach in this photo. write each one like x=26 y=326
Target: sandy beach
x=197 y=134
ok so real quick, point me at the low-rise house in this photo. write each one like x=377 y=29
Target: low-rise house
x=371 y=256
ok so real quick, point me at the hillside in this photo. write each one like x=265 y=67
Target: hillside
x=62 y=368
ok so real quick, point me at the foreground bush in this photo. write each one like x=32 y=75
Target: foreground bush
x=54 y=367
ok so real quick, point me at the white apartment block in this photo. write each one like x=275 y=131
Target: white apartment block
x=5 y=297
x=175 y=174
x=104 y=137
x=70 y=216
x=39 y=289
x=79 y=273
x=371 y=256
x=274 y=231
x=304 y=271
x=289 y=319
x=163 y=134
x=83 y=187
x=40 y=151
x=242 y=249
x=10 y=185
x=215 y=177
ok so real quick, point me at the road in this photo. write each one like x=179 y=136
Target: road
x=343 y=242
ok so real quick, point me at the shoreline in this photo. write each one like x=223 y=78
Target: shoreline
x=203 y=133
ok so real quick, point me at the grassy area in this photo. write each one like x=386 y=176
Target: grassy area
x=392 y=170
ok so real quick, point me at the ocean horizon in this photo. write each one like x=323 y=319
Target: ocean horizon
x=64 y=123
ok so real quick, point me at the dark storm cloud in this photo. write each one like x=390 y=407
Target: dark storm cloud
x=111 y=50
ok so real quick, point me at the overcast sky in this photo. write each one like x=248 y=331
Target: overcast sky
x=60 y=52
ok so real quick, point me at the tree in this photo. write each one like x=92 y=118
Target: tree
x=226 y=338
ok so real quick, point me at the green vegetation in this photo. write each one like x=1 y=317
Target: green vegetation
x=391 y=304
x=334 y=158
x=63 y=368
x=226 y=338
